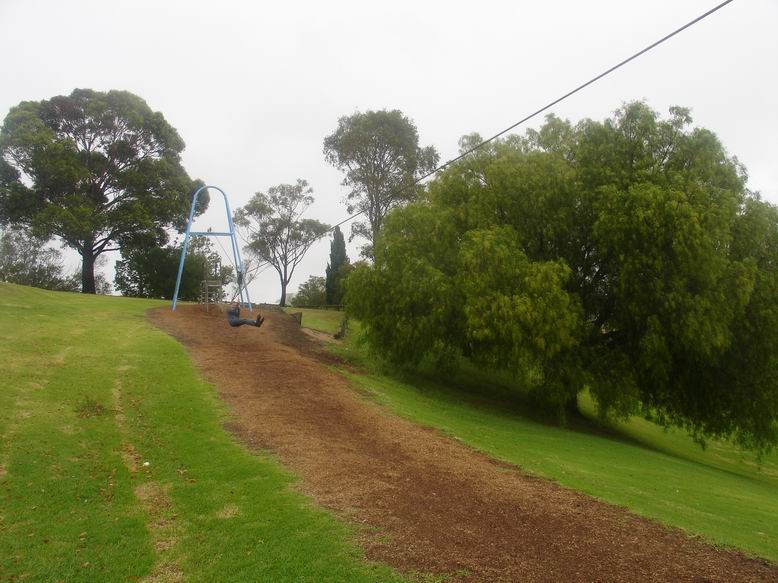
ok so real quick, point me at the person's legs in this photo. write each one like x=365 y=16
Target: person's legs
x=233 y=316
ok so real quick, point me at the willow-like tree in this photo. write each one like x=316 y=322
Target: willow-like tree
x=626 y=256
x=98 y=170
x=379 y=154
x=278 y=235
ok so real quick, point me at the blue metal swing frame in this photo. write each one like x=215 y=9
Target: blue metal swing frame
x=245 y=301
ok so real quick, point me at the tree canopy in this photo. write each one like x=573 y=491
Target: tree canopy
x=379 y=153
x=151 y=272
x=25 y=260
x=310 y=293
x=98 y=170
x=278 y=234
x=624 y=256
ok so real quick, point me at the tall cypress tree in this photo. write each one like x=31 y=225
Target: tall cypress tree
x=334 y=272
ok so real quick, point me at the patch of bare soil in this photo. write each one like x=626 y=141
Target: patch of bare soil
x=430 y=504
x=321 y=336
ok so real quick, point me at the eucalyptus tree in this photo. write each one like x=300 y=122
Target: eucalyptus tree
x=277 y=232
x=98 y=170
x=25 y=260
x=379 y=154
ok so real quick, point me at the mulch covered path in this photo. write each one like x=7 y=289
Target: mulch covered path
x=431 y=505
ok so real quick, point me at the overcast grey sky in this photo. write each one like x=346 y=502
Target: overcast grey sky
x=253 y=88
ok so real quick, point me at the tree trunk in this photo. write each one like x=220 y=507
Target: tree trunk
x=88 y=272
x=284 y=283
x=570 y=410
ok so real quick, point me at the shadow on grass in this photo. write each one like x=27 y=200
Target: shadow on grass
x=497 y=393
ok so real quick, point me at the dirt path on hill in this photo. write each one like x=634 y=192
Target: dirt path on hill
x=430 y=504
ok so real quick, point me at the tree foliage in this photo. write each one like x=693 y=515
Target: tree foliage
x=278 y=234
x=98 y=170
x=25 y=260
x=625 y=256
x=379 y=153
x=311 y=292
x=337 y=269
x=150 y=272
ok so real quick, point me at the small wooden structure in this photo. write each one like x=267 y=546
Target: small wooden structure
x=211 y=292
x=211 y=289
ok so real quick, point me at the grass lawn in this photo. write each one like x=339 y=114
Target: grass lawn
x=114 y=464
x=719 y=493
x=322 y=320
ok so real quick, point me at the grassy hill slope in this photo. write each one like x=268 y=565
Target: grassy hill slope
x=720 y=493
x=114 y=464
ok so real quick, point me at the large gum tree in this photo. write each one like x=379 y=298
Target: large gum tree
x=98 y=170
x=379 y=155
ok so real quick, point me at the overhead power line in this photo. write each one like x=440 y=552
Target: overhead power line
x=530 y=116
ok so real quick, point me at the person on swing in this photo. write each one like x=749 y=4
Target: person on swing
x=233 y=317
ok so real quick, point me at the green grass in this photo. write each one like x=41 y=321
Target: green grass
x=89 y=388
x=90 y=392
x=720 y=493
x=322 y=320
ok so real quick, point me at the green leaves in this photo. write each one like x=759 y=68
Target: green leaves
x=310 y=293
x=517 y=312
x=25 y=260
x=278 y=234
x=623 y=255
x=337 y=269
x=150 y=272
x=96 y=169
x=379 y=154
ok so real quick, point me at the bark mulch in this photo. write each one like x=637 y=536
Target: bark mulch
x=429 y=504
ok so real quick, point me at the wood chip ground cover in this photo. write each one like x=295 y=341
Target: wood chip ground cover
x=429 y=503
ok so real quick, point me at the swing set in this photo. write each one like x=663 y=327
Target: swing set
x=242 y=293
